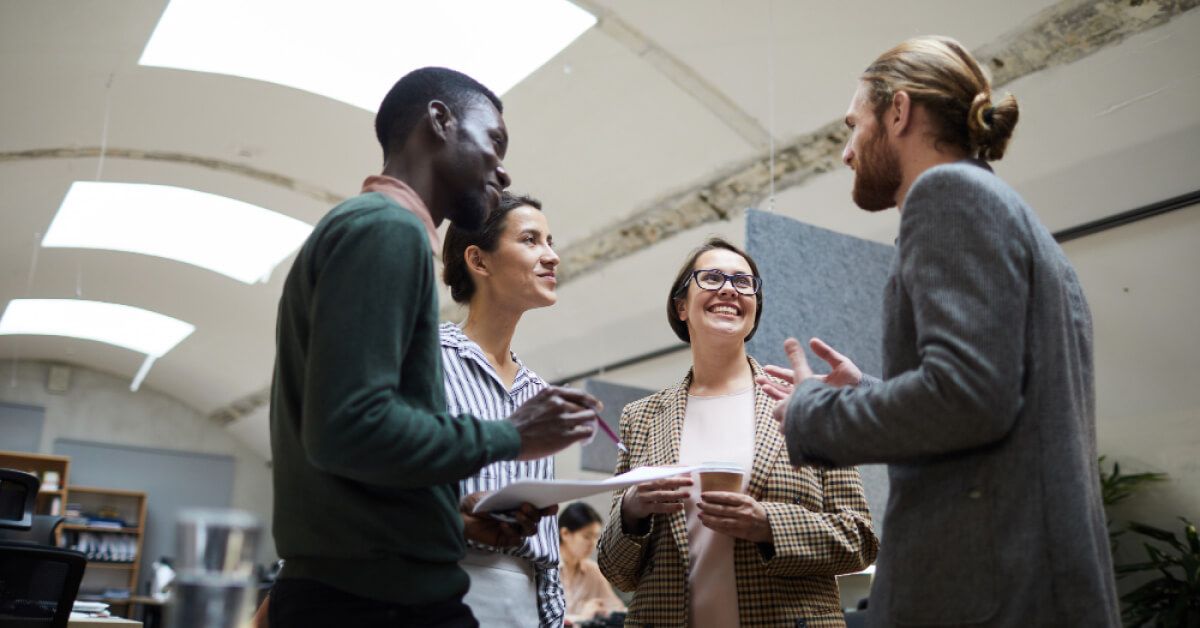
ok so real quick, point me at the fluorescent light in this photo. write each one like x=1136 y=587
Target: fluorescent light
x=124 y=326
x=354 y=50
x=227 y=236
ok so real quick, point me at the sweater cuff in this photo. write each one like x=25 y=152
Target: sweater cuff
x=796 y=437
x=503 y=440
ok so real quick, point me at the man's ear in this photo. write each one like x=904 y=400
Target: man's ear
x=473 y=255
x=900 y=115
x=441 y=119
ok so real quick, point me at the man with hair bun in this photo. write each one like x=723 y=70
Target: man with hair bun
x=986 y=412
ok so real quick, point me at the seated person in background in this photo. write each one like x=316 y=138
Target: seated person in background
x=588 y=593
x=499 y=272
x=766 y=554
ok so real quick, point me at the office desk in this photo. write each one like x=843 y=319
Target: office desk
x=102 y=622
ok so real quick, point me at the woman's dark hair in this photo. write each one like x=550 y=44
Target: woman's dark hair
x=578 y=515
x=679 y=287
x=455 y=274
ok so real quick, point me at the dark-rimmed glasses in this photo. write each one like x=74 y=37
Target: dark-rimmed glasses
x=713 y=280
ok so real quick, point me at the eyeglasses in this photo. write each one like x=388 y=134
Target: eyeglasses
x=712 y=279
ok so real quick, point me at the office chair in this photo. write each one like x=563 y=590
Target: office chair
x=41 y=532
x=18 y=490
x=38 y=583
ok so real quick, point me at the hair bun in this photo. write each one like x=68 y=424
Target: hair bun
x=990 y=126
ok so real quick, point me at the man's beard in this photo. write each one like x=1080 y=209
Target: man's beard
x=877 y=177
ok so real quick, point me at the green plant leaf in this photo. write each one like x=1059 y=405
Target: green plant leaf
x=1156 y=533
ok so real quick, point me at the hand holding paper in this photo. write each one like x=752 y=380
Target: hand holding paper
x=544 y=493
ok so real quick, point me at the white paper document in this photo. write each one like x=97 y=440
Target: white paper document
x=543 y=493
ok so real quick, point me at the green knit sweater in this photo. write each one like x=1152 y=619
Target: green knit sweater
x=366 y=458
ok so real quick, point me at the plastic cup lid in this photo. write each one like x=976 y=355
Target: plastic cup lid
x=725 y=467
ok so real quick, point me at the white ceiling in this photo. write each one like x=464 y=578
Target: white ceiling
x=602 y=130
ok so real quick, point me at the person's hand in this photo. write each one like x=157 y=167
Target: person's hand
x=553 y=419
x=660 y=497
x=842 y=372
x=595 y=607
x=736 y=515
x=483 y=529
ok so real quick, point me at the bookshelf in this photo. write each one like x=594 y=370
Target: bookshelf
x=109 y=527
x=54 y=473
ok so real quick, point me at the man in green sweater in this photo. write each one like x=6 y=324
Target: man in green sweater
x=366 y=457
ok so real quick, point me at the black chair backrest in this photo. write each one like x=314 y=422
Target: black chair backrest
x=18 y=490
x=42 y=532
x=38 y=585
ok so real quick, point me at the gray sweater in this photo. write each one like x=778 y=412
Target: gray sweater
x=985 y=418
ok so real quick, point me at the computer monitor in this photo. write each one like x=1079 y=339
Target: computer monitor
x=17 y=493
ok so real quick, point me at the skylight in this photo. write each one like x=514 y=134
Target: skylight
x=354 y=50
x=123 y=326
x=227 y=236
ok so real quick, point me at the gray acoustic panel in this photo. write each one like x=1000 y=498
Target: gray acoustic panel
x=601 y=454
x=825 y=284
x=172 y=480
x=21 y=427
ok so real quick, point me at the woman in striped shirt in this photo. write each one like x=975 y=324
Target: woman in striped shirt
x=500 y=272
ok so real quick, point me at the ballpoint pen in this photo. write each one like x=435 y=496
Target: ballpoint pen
x=611 y=434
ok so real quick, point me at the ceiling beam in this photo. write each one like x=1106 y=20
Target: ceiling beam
x=679 y=73
x=1058 y=35
x=94 y=152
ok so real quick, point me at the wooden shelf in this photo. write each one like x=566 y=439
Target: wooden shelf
x=129 y=506
x=109 y=492
x=48 y=502
x=101 y=529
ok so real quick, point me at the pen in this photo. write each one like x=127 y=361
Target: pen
x=611 y=434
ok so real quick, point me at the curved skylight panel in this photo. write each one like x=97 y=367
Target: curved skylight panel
x=124 y=326
x=354 y=50
x=227 y=236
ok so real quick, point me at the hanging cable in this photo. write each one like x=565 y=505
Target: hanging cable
x=771 y=98
x=33 y=260
x=99 y=173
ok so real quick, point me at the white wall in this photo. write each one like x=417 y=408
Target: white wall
x=99 y=407
x=1140 y=280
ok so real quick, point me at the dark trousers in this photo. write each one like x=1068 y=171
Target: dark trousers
x=298 y=603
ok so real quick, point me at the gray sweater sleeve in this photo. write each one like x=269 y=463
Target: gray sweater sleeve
x=965 y=273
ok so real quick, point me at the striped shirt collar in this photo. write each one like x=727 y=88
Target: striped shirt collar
x=452 y=336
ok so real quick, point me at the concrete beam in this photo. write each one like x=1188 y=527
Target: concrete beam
x=1058 y=35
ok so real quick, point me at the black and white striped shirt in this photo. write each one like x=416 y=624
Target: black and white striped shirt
x=473 y=387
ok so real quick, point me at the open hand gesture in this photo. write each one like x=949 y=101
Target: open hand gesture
x=842 y=372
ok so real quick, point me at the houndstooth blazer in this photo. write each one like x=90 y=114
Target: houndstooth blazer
x=819 y=520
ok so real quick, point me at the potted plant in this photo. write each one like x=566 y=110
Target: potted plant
x=1173 y=597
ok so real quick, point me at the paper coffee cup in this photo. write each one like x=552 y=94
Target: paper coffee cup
x=721 y=476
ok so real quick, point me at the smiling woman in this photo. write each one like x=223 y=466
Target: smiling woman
x=766 y=552
x=499 y=272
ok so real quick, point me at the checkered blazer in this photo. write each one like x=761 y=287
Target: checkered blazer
x=818 y=517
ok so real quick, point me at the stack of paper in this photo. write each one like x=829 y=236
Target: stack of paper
x=543 y=493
